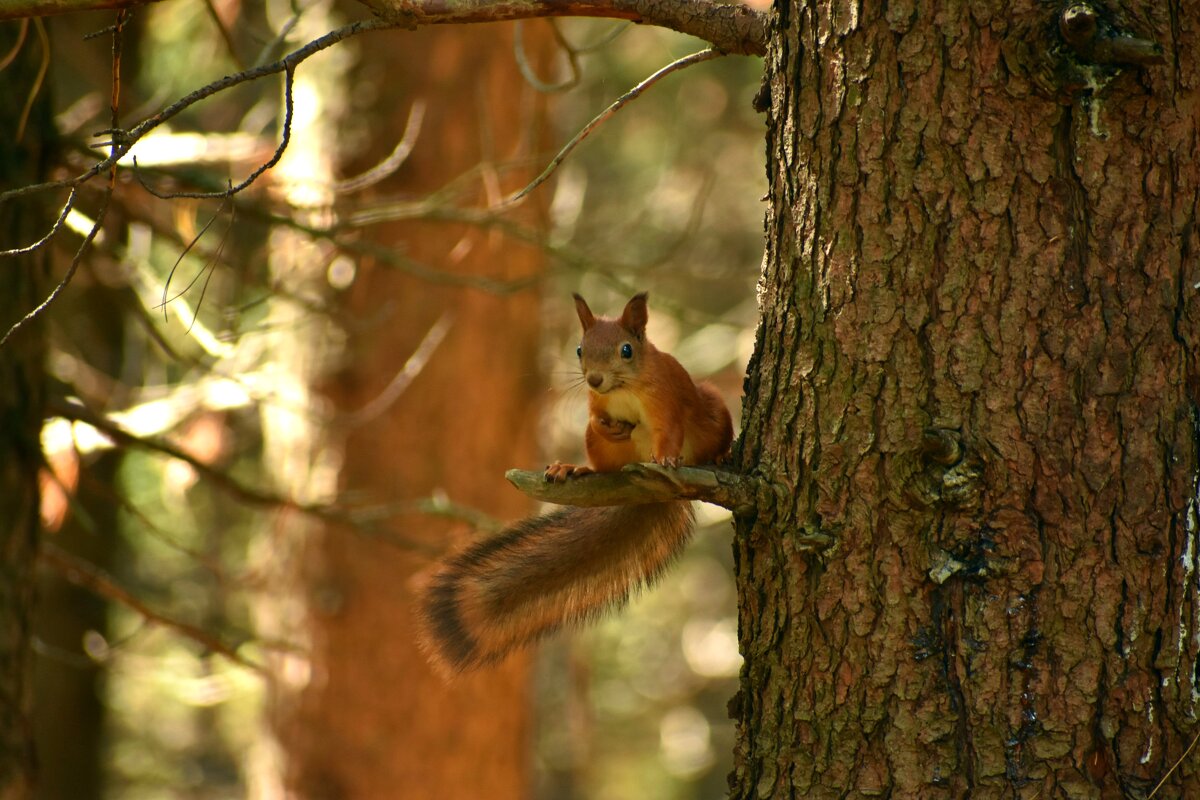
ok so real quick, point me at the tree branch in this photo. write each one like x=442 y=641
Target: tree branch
x=16 y=9
x=245 y=494
x=729 y=27
x=632 y=94
x=643 y=483
x=85 y=575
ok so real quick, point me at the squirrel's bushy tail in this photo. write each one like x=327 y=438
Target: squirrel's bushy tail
x=542 y=573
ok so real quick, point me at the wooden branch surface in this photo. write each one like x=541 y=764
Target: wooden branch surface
x=729 y=27
x=641 y=483
x=16 y=9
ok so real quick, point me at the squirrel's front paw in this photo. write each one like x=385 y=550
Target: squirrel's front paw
x=670 y=462
x=615 y=430
x=559 y=472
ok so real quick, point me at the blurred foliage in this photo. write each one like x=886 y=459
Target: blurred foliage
x=665 y=194
x=181 y=719
x=663 y=197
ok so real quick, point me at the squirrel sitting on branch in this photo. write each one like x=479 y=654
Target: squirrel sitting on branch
x=573 y=564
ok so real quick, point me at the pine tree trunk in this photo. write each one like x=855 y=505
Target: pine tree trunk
x=376 y=721
x=23 y=157
x=977 y=378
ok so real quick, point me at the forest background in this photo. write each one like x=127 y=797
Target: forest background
x=966 y=493
x=174 y=544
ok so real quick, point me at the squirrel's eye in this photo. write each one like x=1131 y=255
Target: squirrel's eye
x=579 y=351
x=627 y=350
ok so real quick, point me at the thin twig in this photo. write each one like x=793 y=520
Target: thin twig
x=404 y=148
x=105 y=489
x=411 y=369
x=527 y=71
x=122 y=141
x=40 y=243
x=603 y=40
x=211 y=268
x=226 y=36
x=87 y=37
x=183 y=254
x=92 y=578
x=285 y=139
x=391 y=257
x=632 y=94
x=128 y=138
x=245 y=494
x=114 y=105
x=11 y=55
x=44 y=41
x=438 y=505
x=1174 y=767
x=285 y=30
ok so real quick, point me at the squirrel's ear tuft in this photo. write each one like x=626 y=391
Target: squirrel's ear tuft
x=634 y=317
x=586 y=318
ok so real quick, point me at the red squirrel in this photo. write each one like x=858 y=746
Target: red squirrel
x=572 y=564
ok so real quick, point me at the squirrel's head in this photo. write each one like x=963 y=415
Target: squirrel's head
x=610 y=352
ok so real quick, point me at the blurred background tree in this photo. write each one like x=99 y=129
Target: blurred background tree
x=26 y=150
x=271 y=411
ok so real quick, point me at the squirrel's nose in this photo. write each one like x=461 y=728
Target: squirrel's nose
x=594 y=379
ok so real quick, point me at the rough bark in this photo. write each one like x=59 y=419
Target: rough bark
x=376 y=721
x=15 y=9
x=730 y=27
x=23 y=158
x=977 y=371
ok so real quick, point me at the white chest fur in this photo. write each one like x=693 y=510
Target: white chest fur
x=624 y=405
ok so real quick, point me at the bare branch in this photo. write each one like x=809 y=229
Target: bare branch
x=390 y=257
x=114 y=103
x=411 y=369
x=527 y=70
x=226 y=35
x=58 y=223
x=284 y=140
x=174 y=267
x=632 y=94
x=16 y=9
x=246 y=494
x=643 y=483
x=15 y=50
x=729 y=27
x=91 y=577
x=123 y=141
x=399 y=155
x=43 y=67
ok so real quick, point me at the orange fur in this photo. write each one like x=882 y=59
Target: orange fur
x=571 y=565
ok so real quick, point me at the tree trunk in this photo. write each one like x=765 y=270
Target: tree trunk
x=375 y=721
x=977 y=379
x=24 y=154
x=68 y=686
